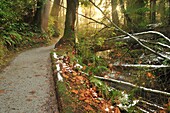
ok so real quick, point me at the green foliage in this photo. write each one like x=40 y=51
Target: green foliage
x=64 y=97
x=102 y=87
x=100 y=41
x=85 y=3
x=114 y=94
x=52 y=31
x=2 y=50
x=84 y=49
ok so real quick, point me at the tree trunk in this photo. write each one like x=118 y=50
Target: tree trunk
x=69 y=31
x=140 y=15
x=127 y=20
x=153 y=11
x=161 y=11
x=45 y=15
x=55 y=14
x=115 y=18
x=169 y=13
x=38 y=13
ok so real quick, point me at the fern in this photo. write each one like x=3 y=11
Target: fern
x=8 y=40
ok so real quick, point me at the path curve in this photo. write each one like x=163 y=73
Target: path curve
x=26 y=85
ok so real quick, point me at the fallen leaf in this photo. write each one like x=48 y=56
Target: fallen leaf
x=65 y=76
x=139 y=62
x=74 y=73
x=150 y=75
x=28 y=99
x=82 y=98
x=88 y=101
x=96 y=101
x=88 y=108
x=2 y=91
x=80 y=78
x=32 y=92
x=74 y=91
x=37 y=75
x=84 y=68
x=116 y=110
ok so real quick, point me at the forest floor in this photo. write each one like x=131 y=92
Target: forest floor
x=26 y=85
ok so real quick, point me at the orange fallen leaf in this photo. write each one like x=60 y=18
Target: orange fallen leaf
x=88 y=108
x=32 y=92
x=116 y=110
x=150 y=75
x=162 y=111
x=80 y=78
x=74 y=73
x=82 y=98
x=2 y=91
x=65 y=76
x=88 y=101
x=96 y=101
x=118 y=54
x=139 y=62
x=84 y=68
x=74 y=91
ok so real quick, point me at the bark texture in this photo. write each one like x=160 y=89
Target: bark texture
x=45 y=15
x=69 y=31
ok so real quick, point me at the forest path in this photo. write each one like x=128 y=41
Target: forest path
x=26 y=85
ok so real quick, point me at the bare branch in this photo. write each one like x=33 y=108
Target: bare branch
x=142 y=65
x=156 y=43
x=133 y=85
x=142 y=33
x=88 y=18
x=131 y=36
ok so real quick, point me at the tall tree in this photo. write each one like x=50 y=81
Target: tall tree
x=69 y=31
x=45 y=14
x=169 y=13
x=162 y=10
x=42 y=14
x=38 y=13
x=115 y=18
x=55 y=13
x=153 y=11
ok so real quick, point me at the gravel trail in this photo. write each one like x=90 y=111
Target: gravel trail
x=26 y=85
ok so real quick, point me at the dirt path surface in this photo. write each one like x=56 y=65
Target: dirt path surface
x=26 y=85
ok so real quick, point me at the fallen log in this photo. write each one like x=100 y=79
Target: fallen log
x=141 y=33
x=133 y=85
x=142 y=65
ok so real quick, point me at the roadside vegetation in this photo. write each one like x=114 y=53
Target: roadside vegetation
x=19 y=30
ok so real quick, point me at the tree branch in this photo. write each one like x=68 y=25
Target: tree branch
x=88 y=18
x=131 y=36
x=142 y=33
x=156 y=43
x=133 y=85
x=142 y=65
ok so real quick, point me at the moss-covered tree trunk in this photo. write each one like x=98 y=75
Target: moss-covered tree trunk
x=69 y=31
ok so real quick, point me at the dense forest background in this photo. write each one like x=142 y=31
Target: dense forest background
x=89 y=26
x=21 y=19
x=124 y=39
